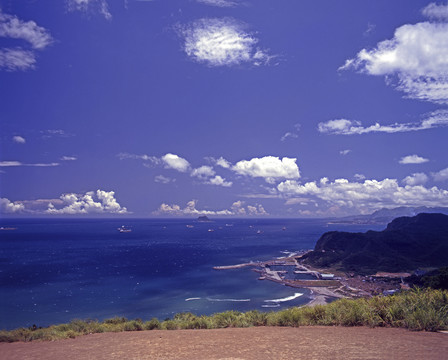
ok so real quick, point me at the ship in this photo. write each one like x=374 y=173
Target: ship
x=124 y=229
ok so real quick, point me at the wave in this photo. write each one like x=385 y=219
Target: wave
x=289 y=298
x=270 y=306
x=232 y=300
x=190 y=299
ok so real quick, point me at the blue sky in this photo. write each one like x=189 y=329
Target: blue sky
x=226 y=108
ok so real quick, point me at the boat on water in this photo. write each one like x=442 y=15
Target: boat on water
x=210 y=230
x=7 y=228
x=190 y=226
x=124 y=229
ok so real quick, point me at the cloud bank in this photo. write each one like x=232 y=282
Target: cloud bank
x=99 y=202
x=366 y=196
x=237 y=209
x=8 y=207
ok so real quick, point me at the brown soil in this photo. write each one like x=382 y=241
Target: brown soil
x=251 y=343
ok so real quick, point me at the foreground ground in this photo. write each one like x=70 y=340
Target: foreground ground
x=313 y=342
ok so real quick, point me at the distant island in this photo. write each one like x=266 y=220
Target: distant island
x=406 y=244
x=203 y=218
x=384 y=216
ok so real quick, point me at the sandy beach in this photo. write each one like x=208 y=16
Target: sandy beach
x=259 y=343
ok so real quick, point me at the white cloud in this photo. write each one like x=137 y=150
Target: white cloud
x=221 y=162
x=69 y=158
x=291 y=134
x=436 y=12
x=203 y=172
x=441 y=175
x=172 y=161
x=237 y=209
x=8 y=207
x=413 y=159
x=163 y=179
x=19 y=139
x=219 y=181
x=18 y=163
x=256 y=210
x=269 y=167
x=218 y=3
x=20 y=58
x=50 y=133
x=90 y=7
x=435 y=119
x=345 y=152
x=417 y=56
x=105 y=202
x=416 y=179
x=222 y=42
x=367 y=196
x=17 y=59
x=359 y=177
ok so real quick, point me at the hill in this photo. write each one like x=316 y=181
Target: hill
x=384 y=216
x=406 y=244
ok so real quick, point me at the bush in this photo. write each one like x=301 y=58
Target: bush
x=417 y=309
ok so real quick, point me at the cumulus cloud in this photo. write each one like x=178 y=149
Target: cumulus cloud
x=220 y=162
x=345 y=152
x=172 y=161
x=366 y=196
x=413 y=159
x=98 y=202
x=237 y=209
x=441 y=175
x=436 y=12
x=435 y=119
x=219 y=181
x=19 y=139
x=270 y=168
x=8 y=207
x=90 y=7
x=359 y=177
x=219 y=3
x=20 y=57
x=417 y=57
x=18 y=163
x=203 y=172
x=222 y=42
x=208 y=175
x=416 y=179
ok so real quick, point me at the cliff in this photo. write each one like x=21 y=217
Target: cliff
x=406 y=244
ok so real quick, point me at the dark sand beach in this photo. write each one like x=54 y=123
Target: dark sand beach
x=277 y=343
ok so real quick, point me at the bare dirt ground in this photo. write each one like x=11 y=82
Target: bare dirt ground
x=251 y=343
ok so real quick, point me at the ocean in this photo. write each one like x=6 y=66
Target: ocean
x=56 y=270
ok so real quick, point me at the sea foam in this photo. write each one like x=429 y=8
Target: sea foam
x=289 y=298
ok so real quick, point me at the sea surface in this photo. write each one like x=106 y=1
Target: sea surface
x=56 y=270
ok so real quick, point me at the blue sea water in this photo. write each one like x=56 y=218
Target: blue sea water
x=56 y=270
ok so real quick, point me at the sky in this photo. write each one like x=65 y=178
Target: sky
x=257 y=108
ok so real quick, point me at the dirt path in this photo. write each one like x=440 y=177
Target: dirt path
x=253 y=343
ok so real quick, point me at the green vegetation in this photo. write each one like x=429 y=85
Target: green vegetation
x=418 y=309
x=436 y=279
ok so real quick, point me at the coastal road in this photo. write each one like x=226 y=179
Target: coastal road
x=276 y=343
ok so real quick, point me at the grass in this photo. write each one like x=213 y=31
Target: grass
x=418 y=309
